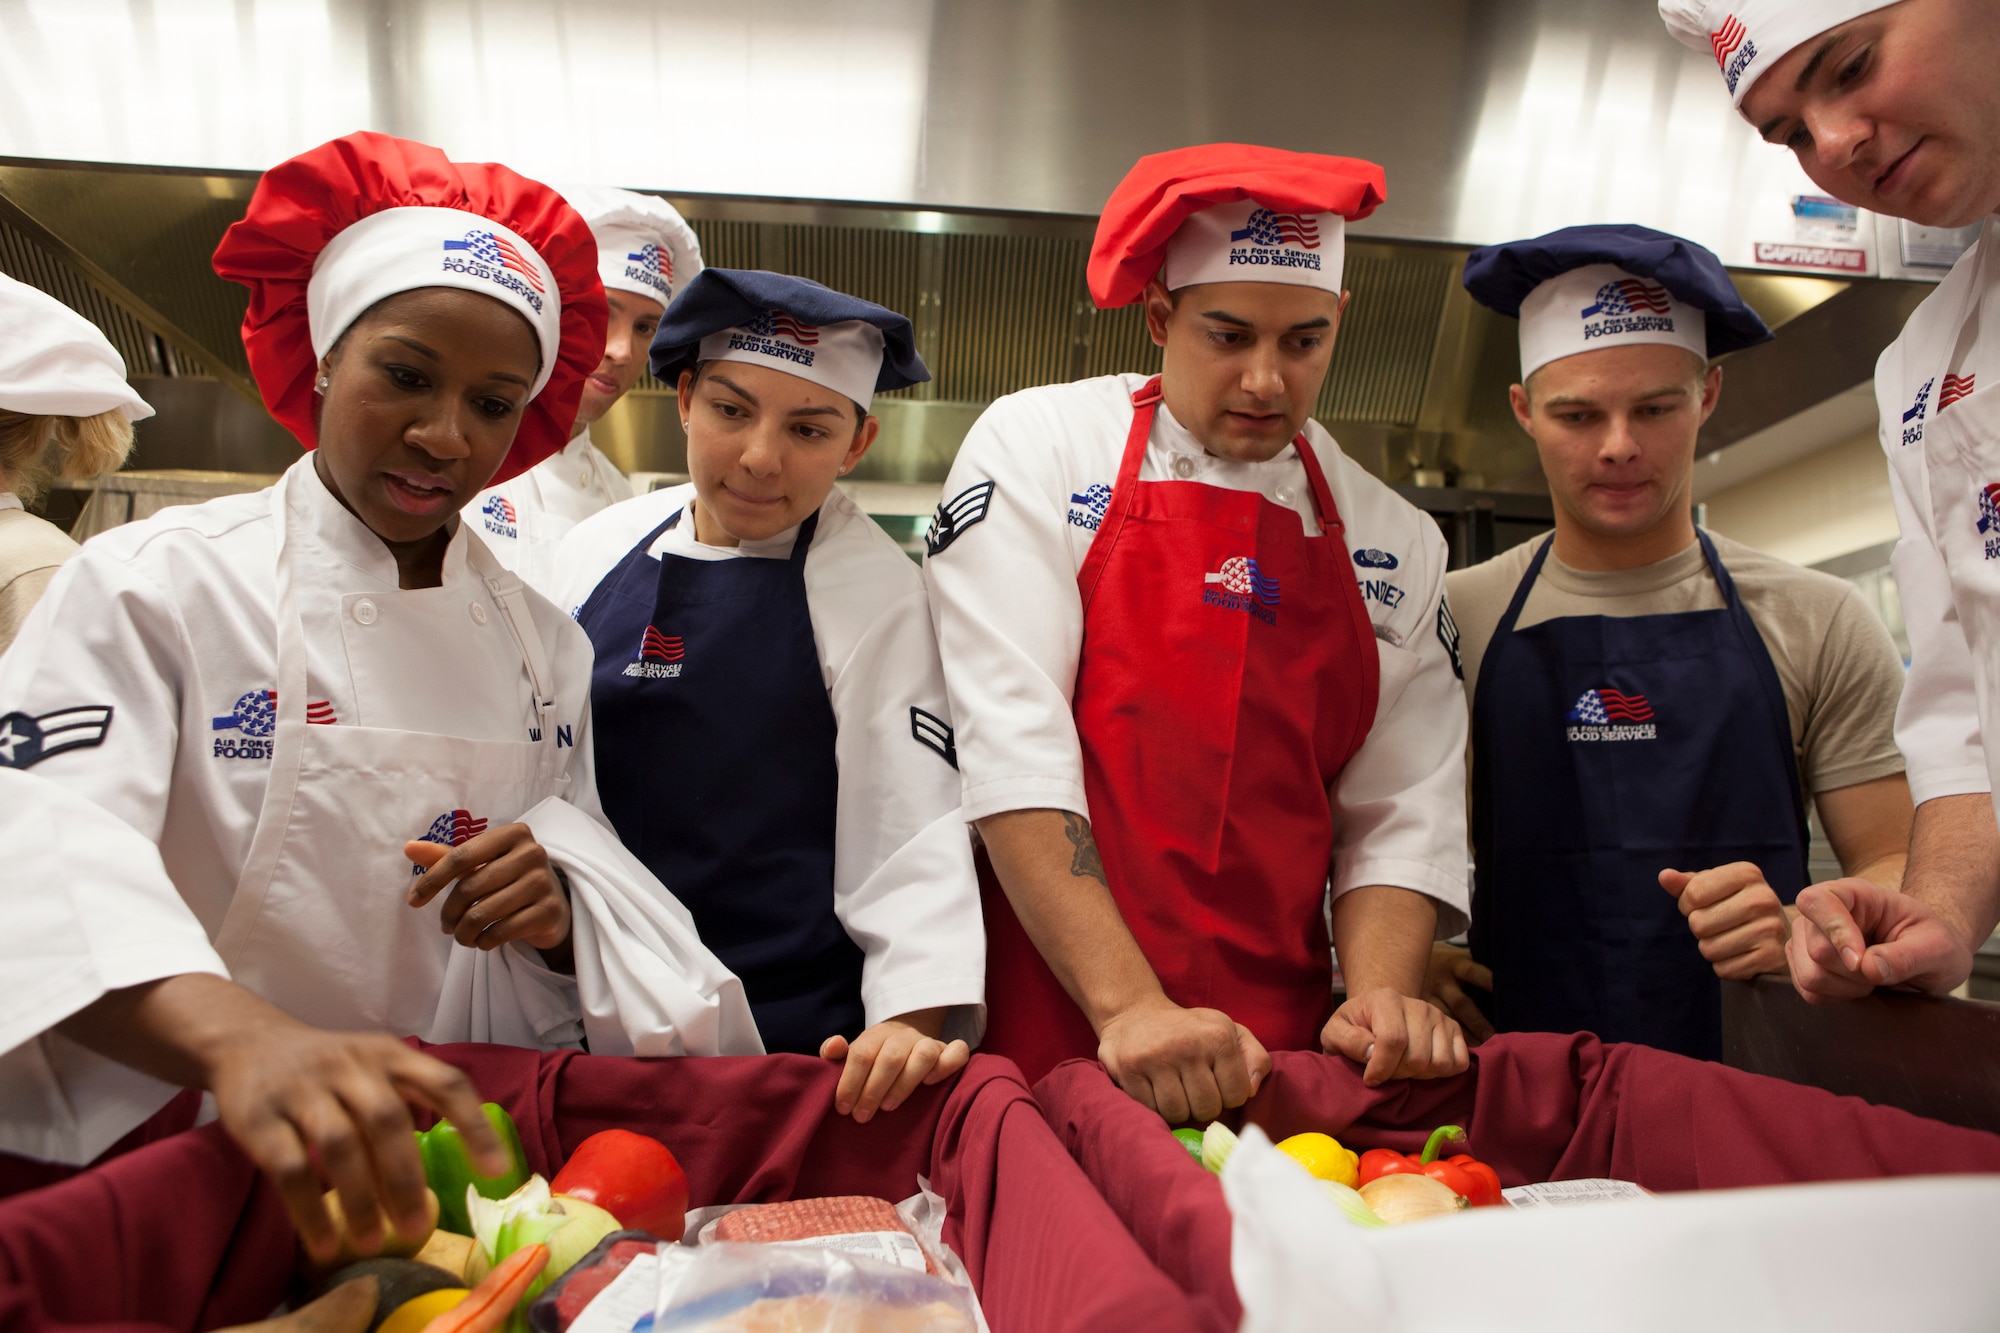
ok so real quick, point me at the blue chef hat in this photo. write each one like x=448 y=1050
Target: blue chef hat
x=1582 y=288
x=841 y=342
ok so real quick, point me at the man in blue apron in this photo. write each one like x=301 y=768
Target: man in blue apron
x=1651 y=703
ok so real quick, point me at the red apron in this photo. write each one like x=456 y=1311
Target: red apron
x=1228 y=673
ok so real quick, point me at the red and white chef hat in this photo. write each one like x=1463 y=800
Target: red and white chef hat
x=1747 y=37
x=337 y=229
x=1229 y=212
x=644 y=245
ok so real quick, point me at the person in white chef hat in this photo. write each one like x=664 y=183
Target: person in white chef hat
x=110 y=989
x=1893 y=107
x=362 y=747
x=62 y=388
x=645 y=253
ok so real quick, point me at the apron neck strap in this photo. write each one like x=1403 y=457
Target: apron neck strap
x=1521 y=591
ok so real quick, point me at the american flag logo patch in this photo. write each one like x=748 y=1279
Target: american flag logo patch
x=657 y=647
x=654 y=259
x=1602 y=707
x=1954 y=388
x=26 y=740
x=957 y=514
x=778 y=324
x=490 y=248
x=1267 y=227
x=1240 y=575
x=500 y=507
x=1627 y=296
x=935 y=734
x=256 y=714
x=454 y=828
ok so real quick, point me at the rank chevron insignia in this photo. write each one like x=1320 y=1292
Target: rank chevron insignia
x=957 y=514
x=26 y=740
x=934 y=733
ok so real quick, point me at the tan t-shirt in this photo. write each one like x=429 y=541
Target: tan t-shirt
x=1839 y=668
x=31 y=550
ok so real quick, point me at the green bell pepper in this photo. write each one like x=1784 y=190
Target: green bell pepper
x=448 y=1167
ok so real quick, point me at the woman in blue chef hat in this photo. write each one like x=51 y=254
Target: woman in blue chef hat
x=773 y=738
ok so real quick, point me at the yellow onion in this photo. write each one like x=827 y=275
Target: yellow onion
x=1409 y=1198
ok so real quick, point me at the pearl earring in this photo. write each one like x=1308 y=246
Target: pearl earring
x=319 y=385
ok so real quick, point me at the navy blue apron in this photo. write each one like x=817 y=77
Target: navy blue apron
x=1605 y=749
x=715 y=764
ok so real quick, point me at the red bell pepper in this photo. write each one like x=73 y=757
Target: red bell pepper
x=1475 y=1182
x=630 y=1176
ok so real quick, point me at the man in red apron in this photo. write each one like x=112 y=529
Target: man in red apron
x=1201 y=669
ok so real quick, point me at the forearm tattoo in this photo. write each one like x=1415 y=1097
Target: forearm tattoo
x=1085 y=861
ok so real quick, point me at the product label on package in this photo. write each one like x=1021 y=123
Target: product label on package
x=1556 y=1193
x=627 y=1305
x=888 y=1247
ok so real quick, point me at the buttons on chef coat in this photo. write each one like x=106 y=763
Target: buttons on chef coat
x=478 y=613
x=365 y=612
x=1184 y=467
x=583 y=478
x=1283 y=495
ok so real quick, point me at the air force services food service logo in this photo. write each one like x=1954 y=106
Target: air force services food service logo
x=659 y=656
x=1733 y=50
x=453 y=828
x=482 y=254
x=26 y=740
x=499 y=518
x=1628 y=305
x=1914 y=433
x=1277 y=240
x=654 y=267
x=779 y=336
x=1371 y=558
x=1086 y=511
x=253 y=719
x=1604 y=714
x=1240 y=586
x=1989 y=518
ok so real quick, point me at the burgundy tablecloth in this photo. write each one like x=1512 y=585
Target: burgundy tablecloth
x=1537 y=1106
x=184 y=1234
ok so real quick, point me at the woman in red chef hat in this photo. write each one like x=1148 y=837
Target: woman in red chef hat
x=362 y=747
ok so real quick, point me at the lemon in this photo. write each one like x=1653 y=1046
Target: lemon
x=413 y=1314
x=1323 y=1157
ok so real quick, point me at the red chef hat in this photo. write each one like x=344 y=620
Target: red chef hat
x=368 y=215
x=1251 y=214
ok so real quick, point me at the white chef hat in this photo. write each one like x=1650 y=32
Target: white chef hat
x=1247 y=242
x=1601 y=305
x=401 y=249
x=644 y=246
x=55 y=363
x=1747 y=37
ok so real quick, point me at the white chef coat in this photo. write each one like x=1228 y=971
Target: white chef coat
x=1010 y=624
x=89 y=910
x=1942 y=554
x=903 y=881
x=168 y=628
x=524 y=520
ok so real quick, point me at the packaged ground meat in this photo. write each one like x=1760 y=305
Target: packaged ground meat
x=852 y=1223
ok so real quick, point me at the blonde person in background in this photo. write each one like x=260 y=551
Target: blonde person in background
x=66 y=410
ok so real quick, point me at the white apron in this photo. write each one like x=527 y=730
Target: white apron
x=320 y=923
x=1962 y=454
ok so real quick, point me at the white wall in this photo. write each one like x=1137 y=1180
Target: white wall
x=1826 y=504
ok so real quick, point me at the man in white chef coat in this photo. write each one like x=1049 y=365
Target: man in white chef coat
x=1893 y=107
x=645 y=253
x=1200 y=664
x=110 y=992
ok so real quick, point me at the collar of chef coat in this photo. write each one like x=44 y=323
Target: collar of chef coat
x=333 y=528
x=680 y=540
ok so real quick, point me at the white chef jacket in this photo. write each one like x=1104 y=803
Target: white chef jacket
x=1955 y=333
x=89 y=910
x=165 y=629
x=524 y=520
x=1010 y=624
x=903 y=881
